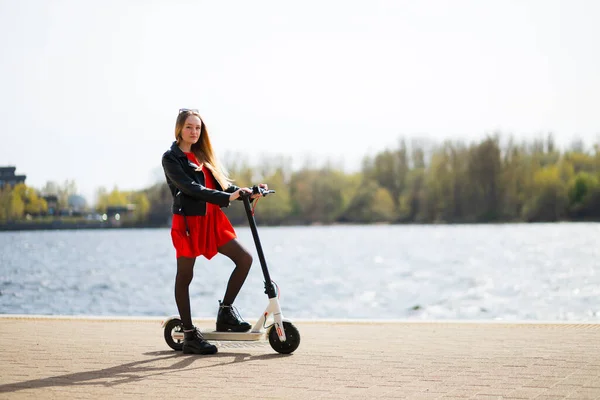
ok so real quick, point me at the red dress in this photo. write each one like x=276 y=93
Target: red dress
x=207 y=232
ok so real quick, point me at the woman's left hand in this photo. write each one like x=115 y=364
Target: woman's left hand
x=263 y=186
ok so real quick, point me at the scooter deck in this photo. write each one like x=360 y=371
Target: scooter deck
x=211 y=334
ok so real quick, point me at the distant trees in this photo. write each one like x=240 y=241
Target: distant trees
x=159 y=200
x=494 y=179
x=451 y=182
x=139 y=199
x=22 y=201
x=61 y=191
x=19 y=201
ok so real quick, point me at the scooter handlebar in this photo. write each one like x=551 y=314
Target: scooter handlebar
x=257 y=190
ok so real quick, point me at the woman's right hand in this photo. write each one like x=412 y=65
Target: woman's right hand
x=235 y=195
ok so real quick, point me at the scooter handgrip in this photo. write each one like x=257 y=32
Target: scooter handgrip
x=261 y=191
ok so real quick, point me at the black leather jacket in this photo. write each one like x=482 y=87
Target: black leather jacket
x=187 y=185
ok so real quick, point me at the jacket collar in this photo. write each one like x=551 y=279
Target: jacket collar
x=177 y=151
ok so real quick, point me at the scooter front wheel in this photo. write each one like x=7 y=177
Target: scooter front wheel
x=174 y=334
x=292 y=338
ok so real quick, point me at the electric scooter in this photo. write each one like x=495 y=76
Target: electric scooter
x=283 y=336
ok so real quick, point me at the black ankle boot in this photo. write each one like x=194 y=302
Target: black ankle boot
x=229 y=320
x=194 y=343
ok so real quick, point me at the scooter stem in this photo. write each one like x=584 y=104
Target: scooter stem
x=269 y=287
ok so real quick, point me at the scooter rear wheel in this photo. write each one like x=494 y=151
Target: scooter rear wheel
x=292 y=338
x=174 y=325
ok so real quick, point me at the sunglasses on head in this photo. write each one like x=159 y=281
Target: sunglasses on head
x=187 y=110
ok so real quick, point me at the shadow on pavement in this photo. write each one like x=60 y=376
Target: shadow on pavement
x=136 y=371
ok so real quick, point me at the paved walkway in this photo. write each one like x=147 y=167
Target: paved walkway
x=77 y=358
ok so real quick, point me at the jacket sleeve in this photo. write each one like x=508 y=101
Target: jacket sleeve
x=187 y=186
x=232 y=188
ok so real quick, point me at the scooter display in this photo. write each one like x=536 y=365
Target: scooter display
x=283 y=336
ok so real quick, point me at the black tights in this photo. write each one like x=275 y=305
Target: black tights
x=185 y=272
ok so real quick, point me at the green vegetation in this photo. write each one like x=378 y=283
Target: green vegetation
x=19 y=201
x=453 y=182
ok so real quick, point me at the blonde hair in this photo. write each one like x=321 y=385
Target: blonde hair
x=203 y=149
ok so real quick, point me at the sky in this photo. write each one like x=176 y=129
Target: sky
x=90 y=90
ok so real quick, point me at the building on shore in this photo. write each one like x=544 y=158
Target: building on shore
x=117 y=215
x=8 y=177
x=52 y=202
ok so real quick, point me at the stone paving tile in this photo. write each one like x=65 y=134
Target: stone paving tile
x=100 y=358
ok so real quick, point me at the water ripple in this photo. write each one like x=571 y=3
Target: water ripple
x=506 y=272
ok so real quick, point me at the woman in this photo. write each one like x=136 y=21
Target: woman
x=200 y=187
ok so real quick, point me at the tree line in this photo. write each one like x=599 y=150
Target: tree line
x=494 y=179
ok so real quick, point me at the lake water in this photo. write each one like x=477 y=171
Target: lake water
x=537 y=272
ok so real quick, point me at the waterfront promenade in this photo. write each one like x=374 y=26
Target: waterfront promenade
x=104 y=358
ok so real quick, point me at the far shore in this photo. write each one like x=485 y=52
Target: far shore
x=63 y=225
